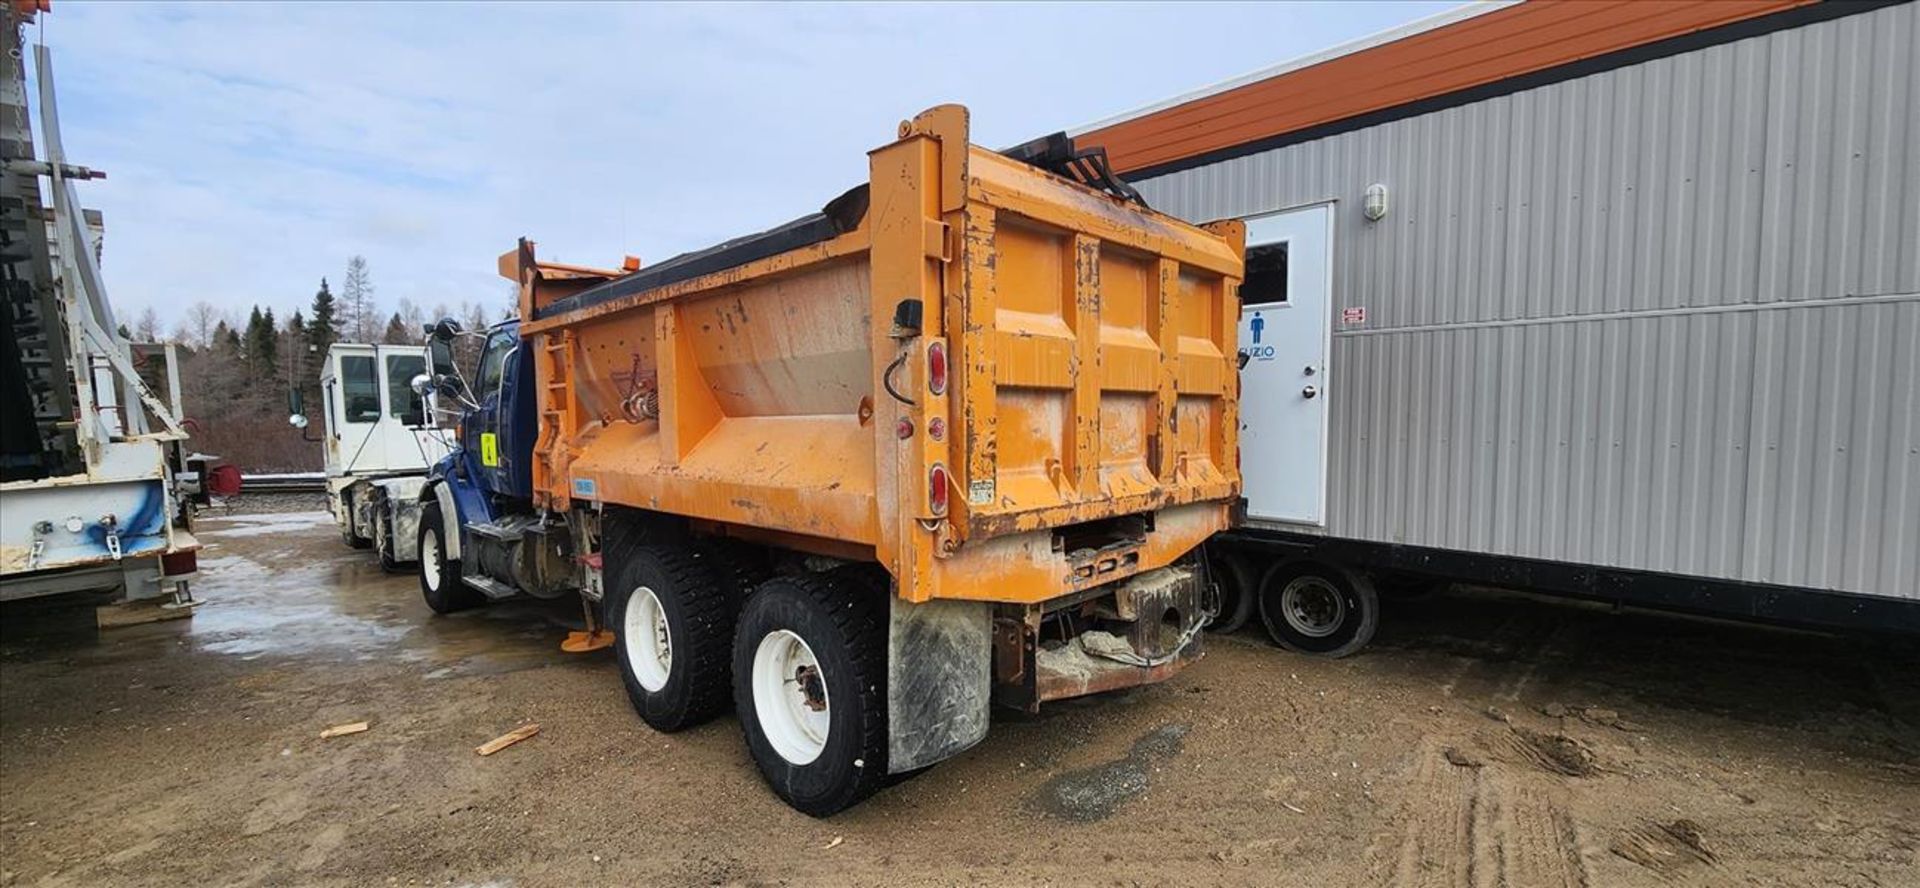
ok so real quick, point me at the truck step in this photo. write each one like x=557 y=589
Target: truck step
x=491 y=588
x=505 y=533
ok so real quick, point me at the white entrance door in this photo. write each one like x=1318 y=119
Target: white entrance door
x=1285 y=327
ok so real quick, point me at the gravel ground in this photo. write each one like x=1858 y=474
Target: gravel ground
x=1483 y=740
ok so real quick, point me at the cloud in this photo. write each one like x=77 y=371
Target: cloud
x=252 y=148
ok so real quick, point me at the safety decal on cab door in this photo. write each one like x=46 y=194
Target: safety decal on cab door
x=489 y=449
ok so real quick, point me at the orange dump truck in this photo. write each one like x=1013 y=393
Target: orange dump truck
x=954 y=440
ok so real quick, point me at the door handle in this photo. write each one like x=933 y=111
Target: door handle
x=1309 y=392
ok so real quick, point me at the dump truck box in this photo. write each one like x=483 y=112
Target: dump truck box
x=999 y=377
x=1088 y=347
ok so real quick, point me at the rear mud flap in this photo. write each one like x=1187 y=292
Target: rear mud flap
x=939 y=680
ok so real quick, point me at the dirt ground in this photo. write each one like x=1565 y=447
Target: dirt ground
x=1483 y=740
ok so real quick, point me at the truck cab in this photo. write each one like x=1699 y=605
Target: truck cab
x=477 y=499
x=496 y=433
x=378 y=442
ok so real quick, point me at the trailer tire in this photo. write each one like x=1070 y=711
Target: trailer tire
x=830 y=633
x=440 y=576
x=1239 y=583
x=673 y=625
x=1320 y=609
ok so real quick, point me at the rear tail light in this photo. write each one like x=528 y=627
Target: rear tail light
x=937 y=368
x=179 y=564
x=937 y=486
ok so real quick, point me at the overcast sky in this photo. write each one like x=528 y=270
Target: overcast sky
x=252 y=148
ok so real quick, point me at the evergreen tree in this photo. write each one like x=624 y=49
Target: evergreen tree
x=296 y=360
x=266 y=351
x=228 y=338
x=324 y=329
x=250 y=340
x=397 y=332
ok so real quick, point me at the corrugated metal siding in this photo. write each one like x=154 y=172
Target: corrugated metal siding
x=1664 y=317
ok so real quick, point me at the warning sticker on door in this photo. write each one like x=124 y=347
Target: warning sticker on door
x=489 y=449
x=1355 y=315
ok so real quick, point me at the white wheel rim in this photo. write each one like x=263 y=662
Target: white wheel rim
x=790 y=697
x=430 y=559
x=648 y=641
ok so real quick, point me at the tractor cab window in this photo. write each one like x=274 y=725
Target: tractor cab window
x=492 y=361
x=359 y=389
x=402 y=403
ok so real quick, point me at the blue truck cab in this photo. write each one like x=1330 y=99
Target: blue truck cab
x=480 y=536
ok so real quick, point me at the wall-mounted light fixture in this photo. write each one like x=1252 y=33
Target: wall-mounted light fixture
x=1375 y=206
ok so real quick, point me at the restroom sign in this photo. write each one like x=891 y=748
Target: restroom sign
x=1357 y=315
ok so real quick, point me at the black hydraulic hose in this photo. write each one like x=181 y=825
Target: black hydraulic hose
x=886 y=380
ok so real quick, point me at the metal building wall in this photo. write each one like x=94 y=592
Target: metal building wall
x=1665 y=317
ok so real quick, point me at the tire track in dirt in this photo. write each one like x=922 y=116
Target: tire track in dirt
x=1670 y=850
x=1475 y=826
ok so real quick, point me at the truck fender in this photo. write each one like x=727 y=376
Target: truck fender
x=449 y=519
x=939 y=679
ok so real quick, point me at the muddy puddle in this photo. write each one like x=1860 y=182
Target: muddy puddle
x=1096 y=793
x=282 y=585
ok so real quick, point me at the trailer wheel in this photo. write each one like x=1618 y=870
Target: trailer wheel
x=809 y=682
x=1313 y=608
x=440 y=577
x=1239 y=583
x=674 y=627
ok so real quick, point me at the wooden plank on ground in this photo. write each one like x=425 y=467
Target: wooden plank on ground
x=343 y=730
x=508 y=739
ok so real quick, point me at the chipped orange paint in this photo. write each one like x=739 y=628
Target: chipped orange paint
x=1092 y=377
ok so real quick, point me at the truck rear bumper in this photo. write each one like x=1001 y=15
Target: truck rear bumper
x=1072 y=672
x=1144 y=631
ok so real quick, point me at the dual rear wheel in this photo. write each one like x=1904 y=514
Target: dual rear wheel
x=802 y=660
x=1306 y=606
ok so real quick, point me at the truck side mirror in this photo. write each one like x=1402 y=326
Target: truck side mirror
x=297 y=414
x=440 y=356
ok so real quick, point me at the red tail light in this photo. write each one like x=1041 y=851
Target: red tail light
x=937 y=368
x=179 y=564
x=937 y=487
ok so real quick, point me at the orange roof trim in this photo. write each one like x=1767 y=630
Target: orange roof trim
x=1473 y=51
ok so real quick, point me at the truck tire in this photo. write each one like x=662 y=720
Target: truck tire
x=1314 y=608
x=346 y=531
x=1239 y=583
x=673 y=624
x=741 y=567
x=385 y=545
x=810 y=685
x=439 y=576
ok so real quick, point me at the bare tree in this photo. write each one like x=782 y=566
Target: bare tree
x=147 y=328
x=414 y=320
x=362 y=322
x=197 y=328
